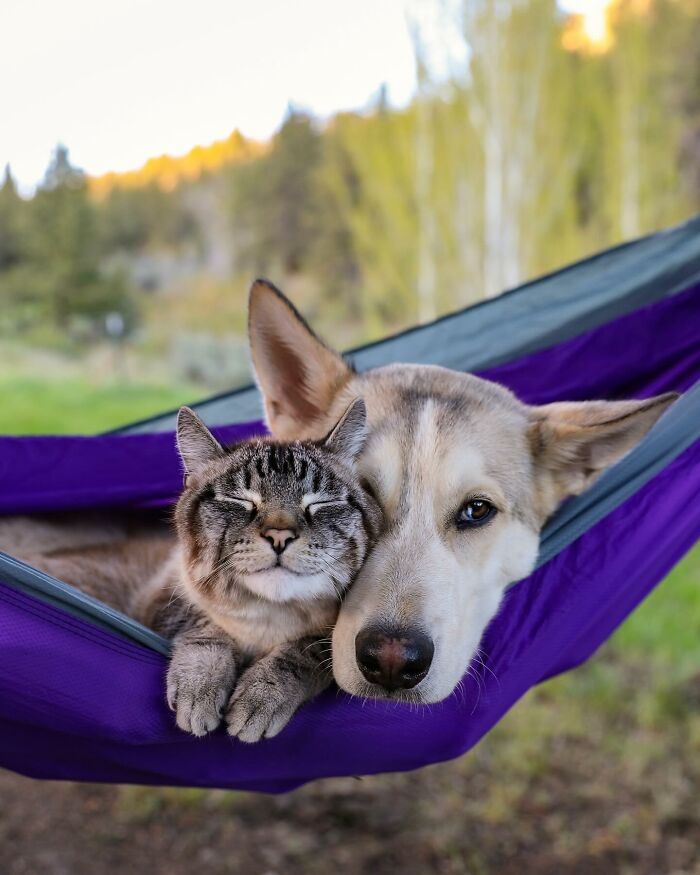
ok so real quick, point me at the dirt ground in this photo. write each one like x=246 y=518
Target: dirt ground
x=597 y=772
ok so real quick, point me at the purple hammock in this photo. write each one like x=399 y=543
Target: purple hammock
x=82 y=688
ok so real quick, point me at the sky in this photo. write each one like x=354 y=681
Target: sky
x=120 y=81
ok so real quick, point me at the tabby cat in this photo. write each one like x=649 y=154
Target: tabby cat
x=269 y=537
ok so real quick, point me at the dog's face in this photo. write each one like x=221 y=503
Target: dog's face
x=466 y=476
x=448 y=460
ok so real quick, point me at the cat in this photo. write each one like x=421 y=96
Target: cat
x=269 y=536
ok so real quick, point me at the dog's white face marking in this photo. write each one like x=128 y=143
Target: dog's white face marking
x=438 y=439
x=425 y=572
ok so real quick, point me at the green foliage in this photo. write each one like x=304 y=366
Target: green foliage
x=368 y=171
x=51 y=258
x=11 y=219
x=275 y=199
x=527 y=157
x=132 y=219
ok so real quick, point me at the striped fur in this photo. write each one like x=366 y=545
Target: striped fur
x=230 y=602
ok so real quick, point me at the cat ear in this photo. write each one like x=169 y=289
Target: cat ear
x=195 y=443
x=573 y=443
x=348 y=437
x=298 y=375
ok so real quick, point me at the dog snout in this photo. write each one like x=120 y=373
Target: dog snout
x=394 y=658
x=279 y=538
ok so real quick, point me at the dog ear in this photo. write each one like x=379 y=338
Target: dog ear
x=195 y=443
x=573 y=443
x=298 y=375
x=348 y=437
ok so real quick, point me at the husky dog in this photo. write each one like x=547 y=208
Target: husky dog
x=465 y=474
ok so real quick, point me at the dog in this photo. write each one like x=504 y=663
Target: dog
x=466 y=476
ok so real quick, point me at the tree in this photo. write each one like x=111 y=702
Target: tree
x=453 y=197
x=132 y=219
x=15 y=300
x=676 y=36
x=64 y=252
x=369 y=172
x=11 y=217
x=275 y=206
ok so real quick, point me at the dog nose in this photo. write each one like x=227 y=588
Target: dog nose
x=279 y=538
x=394 y=658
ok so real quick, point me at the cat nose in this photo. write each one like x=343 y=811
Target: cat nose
x=279 y=538
x=396 y=659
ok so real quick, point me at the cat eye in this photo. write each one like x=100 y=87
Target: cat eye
x=474 y=513
x=312 y=507
x=241 y=502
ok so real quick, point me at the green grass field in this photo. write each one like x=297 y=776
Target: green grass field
x=32 y=405
x=666 y=627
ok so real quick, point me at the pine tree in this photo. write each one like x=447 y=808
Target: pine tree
x=64 y=250
x=11 y=216
x=275 y=203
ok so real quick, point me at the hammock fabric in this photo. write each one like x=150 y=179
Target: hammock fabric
x=82 y=686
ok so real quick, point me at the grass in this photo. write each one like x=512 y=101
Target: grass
x=666 y=627
x=35 y=405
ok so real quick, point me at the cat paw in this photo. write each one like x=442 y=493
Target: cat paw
x=198 y=689
x=259 y=707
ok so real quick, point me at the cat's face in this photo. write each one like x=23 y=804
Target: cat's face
x=288 y=522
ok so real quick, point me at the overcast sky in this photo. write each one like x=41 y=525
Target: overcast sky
x=119 y=81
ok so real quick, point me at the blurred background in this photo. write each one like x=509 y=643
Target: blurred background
x=384 y=163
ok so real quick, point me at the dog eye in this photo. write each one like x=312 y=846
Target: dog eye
x=474 y=513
